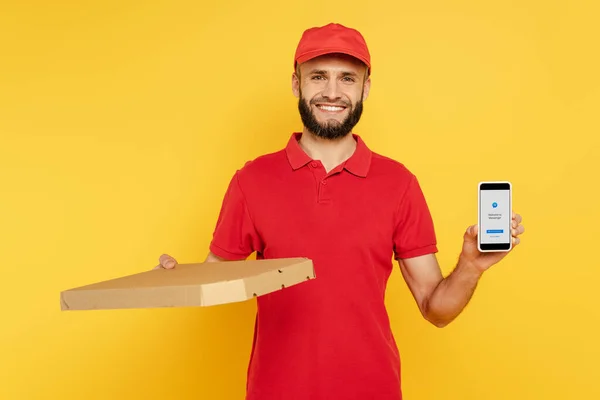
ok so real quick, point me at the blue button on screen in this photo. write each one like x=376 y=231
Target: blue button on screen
x=495 y=231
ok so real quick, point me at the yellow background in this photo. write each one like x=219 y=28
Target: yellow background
x=121 y=123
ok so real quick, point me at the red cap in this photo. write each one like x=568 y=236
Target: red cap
x=332 y=38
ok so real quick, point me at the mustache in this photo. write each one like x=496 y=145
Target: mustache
x=337 y=103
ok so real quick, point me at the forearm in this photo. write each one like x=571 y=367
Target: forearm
x=452 y=294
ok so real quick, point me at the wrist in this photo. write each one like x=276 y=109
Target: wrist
x=469 y=267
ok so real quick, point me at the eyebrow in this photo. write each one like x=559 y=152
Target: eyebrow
x=323 y=72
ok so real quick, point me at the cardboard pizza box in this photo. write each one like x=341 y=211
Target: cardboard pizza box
x=203 y=284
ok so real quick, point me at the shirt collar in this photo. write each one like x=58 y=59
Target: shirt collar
x=358 y=164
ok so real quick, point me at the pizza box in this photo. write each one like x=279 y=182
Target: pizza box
x=189 y=285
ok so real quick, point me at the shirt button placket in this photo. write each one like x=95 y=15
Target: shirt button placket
x=324 y=195
x=321 y=178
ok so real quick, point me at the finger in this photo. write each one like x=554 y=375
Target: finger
x=516 y=219
x=516 y=241
x=166 y=261
x=518 y=230
x=163 y=259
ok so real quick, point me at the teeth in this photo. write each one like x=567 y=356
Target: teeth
x=331 y=108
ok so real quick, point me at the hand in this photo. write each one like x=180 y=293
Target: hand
x=483 y=261
x=166 y=262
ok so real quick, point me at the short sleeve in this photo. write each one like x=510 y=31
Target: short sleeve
x=414 y=233
x=235 y=236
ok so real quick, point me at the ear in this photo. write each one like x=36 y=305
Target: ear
x=366 y=88
x=295 y=85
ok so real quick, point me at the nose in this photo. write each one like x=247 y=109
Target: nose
x=331 y=91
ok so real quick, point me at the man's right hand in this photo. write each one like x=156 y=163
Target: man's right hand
x=166 y=262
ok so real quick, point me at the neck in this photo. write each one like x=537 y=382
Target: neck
x=331 y=153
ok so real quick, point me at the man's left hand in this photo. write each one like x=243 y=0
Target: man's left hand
x=483 y=261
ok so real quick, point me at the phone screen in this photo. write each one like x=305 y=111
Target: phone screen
x=495 y=216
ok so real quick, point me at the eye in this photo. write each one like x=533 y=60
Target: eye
x=348 y=79
x=317 y=77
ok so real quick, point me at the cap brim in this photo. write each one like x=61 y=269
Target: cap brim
x=321 y=52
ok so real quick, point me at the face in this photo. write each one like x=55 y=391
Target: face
x=331 y=90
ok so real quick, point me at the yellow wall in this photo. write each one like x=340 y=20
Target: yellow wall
x=122 y=122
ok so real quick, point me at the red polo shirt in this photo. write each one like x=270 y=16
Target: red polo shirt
x=328 y=338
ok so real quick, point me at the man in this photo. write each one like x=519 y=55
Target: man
x=327 y=197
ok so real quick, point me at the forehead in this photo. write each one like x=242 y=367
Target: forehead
x=334 y=63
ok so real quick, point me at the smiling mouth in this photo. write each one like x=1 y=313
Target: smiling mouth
x=330 y=108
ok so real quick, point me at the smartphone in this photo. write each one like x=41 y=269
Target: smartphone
x=495 y=216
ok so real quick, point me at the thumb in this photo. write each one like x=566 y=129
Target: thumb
x=166 y=265
x=471 y=233
x=167 y=262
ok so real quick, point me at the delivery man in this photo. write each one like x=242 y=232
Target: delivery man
x=328 y=197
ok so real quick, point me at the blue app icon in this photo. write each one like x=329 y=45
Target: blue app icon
x=494 y=204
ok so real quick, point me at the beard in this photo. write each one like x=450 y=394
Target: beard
x=331 y=129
